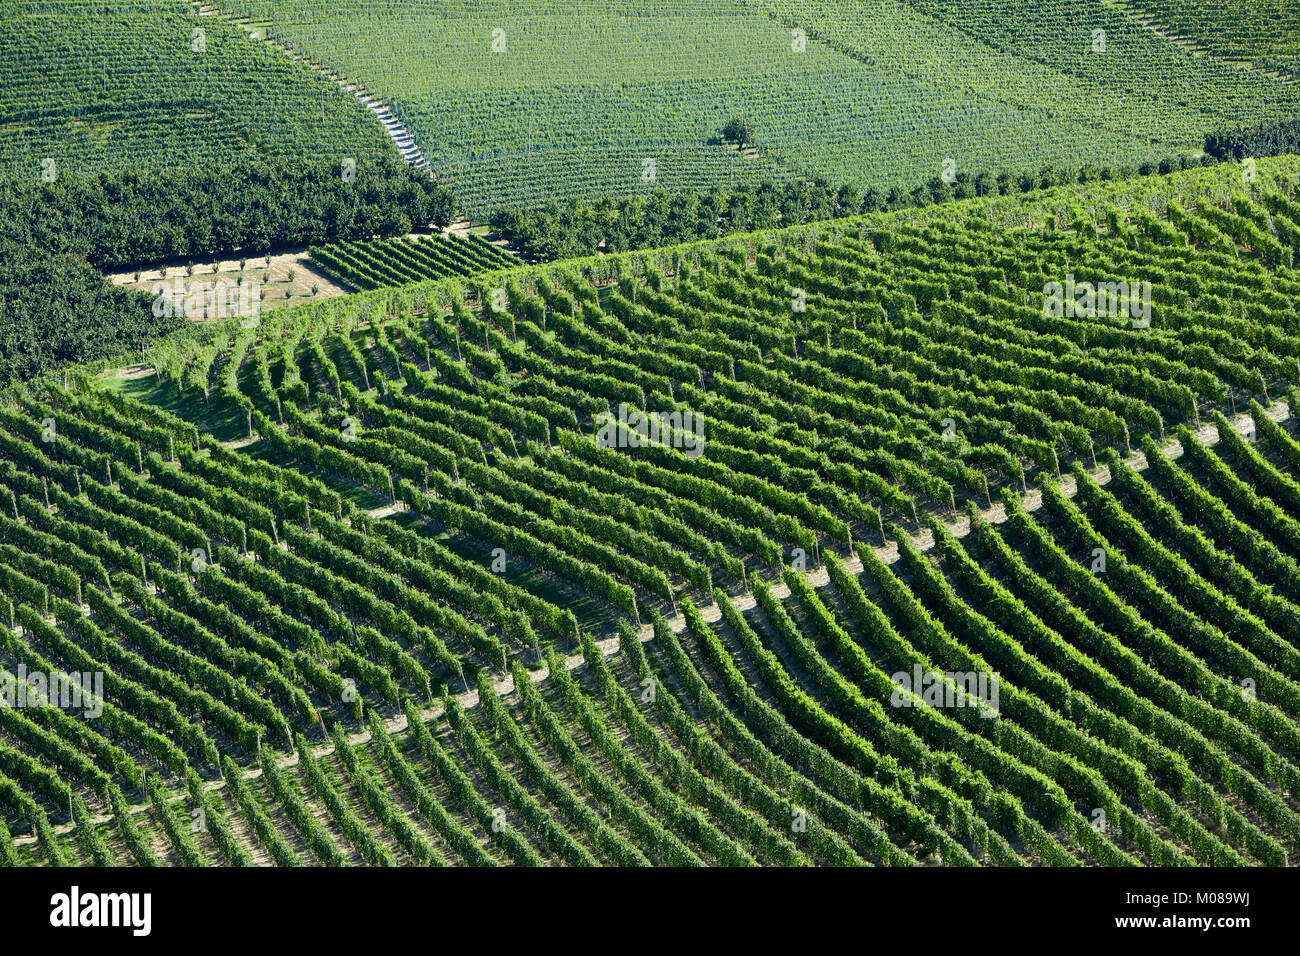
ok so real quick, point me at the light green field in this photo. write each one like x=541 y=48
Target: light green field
x=573 y=98
x=116 y=83
x=373 y=556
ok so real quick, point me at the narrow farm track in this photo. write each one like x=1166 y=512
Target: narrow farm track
x=818 y=577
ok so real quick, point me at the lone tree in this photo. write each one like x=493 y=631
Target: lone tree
x=737 y=131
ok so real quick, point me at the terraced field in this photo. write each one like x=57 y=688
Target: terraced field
x=393 y=578
x=370 y=265
x=525 y=103
x=1263 y=33
x=110 y=84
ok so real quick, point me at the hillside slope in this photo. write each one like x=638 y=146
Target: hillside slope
x=525 y=102
x=90 y=85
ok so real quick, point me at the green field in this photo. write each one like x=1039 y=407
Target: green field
x=1265 y=33
x=849 y=433
x=111 y=84
x=883 y=93
x=376 y=548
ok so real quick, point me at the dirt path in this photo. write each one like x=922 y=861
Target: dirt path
x=818 y=577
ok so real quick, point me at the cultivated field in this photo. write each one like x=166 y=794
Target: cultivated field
x=392 y=578
x=371 y=265
x=108 y=84
x=1262 y=33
